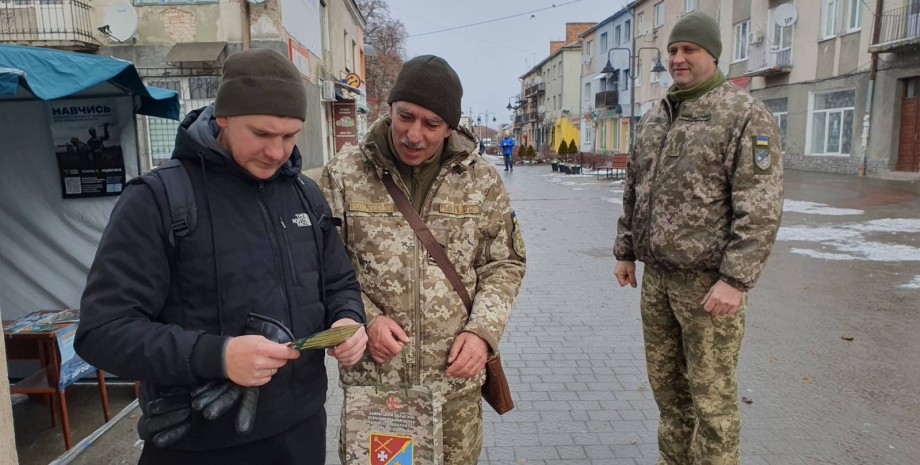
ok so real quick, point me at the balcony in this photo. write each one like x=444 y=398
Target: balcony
x=63 y=24
x=899 y=31
x=535 y=89
x=763 y=61
x=606 y=99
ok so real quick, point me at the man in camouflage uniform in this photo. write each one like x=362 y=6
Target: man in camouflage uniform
x=701 y=207
x=410 y=304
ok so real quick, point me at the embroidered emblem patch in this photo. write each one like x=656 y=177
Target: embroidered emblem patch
x=762 y=159
x=761 y=141
x=390 y=449
x=516 y=239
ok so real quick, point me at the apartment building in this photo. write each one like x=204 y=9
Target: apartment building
x=606 y=107
x=181 y=45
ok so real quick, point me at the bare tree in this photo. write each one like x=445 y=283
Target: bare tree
x=387 y=35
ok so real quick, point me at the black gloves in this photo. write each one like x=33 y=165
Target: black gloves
x=168 y=417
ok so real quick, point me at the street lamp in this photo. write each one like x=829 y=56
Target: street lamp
x=479 y=121
x=633 y=74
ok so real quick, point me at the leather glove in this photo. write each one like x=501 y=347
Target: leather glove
x=168 y=417
x=217 y=397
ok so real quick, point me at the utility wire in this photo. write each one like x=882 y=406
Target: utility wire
x=496 y=19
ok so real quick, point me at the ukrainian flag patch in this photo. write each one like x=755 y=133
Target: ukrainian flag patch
x=761 y=141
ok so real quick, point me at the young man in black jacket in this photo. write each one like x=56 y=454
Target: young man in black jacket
x=202 y=320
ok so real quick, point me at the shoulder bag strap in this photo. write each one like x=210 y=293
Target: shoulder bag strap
x=428 y=240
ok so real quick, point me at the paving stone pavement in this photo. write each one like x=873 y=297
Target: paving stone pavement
x=573 y=353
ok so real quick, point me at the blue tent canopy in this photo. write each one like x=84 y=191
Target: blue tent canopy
x=51 y=74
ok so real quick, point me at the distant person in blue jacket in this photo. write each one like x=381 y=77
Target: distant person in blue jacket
x=507 y=145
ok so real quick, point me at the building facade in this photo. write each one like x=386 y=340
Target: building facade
x=181 y=45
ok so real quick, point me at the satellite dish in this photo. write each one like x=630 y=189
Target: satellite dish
x=122 y=20
x=541 y=109
x=785 y=15
x=538 y=80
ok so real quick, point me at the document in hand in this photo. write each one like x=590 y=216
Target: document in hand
x=326 y=339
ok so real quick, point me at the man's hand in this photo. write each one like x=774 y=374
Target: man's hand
x=349 y=352
x=722 y=299
x=467 y=356
x=625 y=272
x=252 y=360
x=385 y=339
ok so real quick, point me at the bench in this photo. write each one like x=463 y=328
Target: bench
x=613 y=167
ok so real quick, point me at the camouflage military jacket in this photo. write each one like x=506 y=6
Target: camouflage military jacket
x=468 y=212
x=704 y=187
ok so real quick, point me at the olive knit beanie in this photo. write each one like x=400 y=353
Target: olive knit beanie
x=429 y=81
x=261 y=81
x=701 y=29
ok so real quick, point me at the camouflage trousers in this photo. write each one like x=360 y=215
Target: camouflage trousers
x=692 y=358
x=463 y=429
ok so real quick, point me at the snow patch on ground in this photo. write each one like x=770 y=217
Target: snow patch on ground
x=812 y=208
x=848 y=241
x=915 y=284
x=616 y=200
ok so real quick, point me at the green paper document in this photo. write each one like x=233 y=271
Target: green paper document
x=326 y=339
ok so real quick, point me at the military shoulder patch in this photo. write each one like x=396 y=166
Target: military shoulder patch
x=763 y=156
x=390 y=449
x=370 y=207
x=460 y=209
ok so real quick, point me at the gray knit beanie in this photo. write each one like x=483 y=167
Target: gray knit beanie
x=429 y=81
x=701 y=29
x=261 y=81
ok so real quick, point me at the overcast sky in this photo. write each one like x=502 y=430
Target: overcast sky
x=490 y=57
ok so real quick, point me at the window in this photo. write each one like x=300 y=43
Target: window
x=603 y=42
x=642 y=23
x=617 y=39
x=854 y=15
x=781 y=36
x=828 y=18
x=194 y=92
x=587 y=93
x=625 y=79
x=659 y=14
x=832 y=123
x=590 y=50
x=638 y=73
x=740 y=51
x=653 y=76
x=779 y=108
x=627 y=32
x=689 y=5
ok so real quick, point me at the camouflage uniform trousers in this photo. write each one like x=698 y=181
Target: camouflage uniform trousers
x=692 y=358
x=463 y=429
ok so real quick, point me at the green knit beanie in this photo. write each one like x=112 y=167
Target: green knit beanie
x=261 y=81
x=699 y=28
x=429 y=81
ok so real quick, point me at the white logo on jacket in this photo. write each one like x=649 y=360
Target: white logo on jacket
x=302 y=220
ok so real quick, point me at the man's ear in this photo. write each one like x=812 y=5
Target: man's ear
x=223 y=121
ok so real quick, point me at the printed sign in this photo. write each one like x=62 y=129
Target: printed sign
x=87 y=140
x=346 y=124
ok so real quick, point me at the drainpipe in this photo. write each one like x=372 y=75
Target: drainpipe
x=246 y=21
x=873 y=67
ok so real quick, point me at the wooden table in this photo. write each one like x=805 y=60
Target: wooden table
x=43 y=347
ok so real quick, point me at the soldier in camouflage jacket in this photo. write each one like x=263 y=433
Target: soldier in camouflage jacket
x=409 y=303
x=702 y=204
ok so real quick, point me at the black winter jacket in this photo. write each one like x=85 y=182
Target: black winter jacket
x=160 y=314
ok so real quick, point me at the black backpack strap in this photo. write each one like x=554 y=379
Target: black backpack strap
x=170 y=182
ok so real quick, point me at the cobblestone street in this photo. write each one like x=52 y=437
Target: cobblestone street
x=573 y=349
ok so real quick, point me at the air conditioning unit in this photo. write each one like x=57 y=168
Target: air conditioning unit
x=328 y=91
x=755 y=38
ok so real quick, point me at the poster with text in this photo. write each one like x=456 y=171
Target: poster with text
x=346 y=125
x=87 y=135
